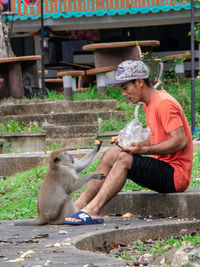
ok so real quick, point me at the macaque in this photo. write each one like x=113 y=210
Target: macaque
x=54 y=201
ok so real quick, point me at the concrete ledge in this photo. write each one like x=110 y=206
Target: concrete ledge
x=14 y=163
x=181 y=205
x=91 y=241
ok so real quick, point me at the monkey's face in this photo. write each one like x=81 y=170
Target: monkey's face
x=63 y=158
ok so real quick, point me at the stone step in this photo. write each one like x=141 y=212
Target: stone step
x=52 y=107
x=63 y=119
x=72 y=143
x=25 y=161
x=181 y=205
x=70 y=131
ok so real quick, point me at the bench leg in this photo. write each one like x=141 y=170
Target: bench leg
x=101 y=83
x=15 y=80
x=67 y=85
x=179 y=68
x=180 y=72
x=74 y=84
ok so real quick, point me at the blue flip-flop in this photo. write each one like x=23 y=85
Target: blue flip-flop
x=85 y=219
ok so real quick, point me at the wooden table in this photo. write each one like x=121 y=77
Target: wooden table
x=20 y=76
x=111 y=54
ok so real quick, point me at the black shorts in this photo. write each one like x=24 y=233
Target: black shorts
x=152 y=173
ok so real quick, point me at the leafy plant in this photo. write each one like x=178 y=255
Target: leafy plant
x=6 y=146
x=15 y=126
x=54 y=146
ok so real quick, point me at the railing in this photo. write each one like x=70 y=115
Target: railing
x=81 y=7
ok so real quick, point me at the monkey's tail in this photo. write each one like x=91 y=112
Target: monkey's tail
x=34 y=222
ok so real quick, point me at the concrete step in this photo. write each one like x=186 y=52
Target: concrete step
x=70 y=131
x=25 y=161
x=63 y=119
x=52 y=107
x=72 y=143
x=156 y=205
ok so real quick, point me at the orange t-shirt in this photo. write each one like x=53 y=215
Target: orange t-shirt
x=163 y=115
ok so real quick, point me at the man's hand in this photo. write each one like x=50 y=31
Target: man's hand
x=114 y=140
x=135 y=148
x=176 y=142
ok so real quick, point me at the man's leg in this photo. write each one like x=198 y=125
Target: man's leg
x=94 y=186
x=112 y=185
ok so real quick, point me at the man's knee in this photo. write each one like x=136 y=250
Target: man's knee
x=125 y=159
x=110 y=155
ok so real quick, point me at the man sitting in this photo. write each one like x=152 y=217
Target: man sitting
x=169 y=167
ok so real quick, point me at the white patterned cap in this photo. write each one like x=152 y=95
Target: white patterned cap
x=130 y=70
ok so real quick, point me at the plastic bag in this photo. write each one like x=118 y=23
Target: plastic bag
x=133 y=132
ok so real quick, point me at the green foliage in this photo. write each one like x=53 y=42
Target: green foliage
x=53 y=95
x=7 y=146
x=161 y=246
x=53 y=146
x=92 y=94
x=18 y=194
x=15 y=126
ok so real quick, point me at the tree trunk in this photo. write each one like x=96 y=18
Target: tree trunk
x=5 y=47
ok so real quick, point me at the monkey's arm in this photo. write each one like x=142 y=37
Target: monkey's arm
x=80 y=182
x=81 y=164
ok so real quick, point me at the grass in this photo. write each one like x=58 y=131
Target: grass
x=18 y=193
x=156 y=248
x=14 y=126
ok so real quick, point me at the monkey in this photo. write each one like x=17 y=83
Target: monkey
x=54 y=202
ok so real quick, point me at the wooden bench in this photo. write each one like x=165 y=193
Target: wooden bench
x=70 y=83
x=101 y=76
x=112 y=54
x=76 y=66
x=54 y=84
x=20 y=76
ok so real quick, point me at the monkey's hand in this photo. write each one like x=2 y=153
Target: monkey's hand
x=99 y=176
x=98 y=146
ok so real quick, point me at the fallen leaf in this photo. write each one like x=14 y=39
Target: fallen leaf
x=41 y=236
x=127 y=215
x=62 y=232
x=27 y=241
x=5 y=241
x=162 y=260
x=57 y=245
x=47 y=263
x=17 y=260
x=49 y=246
x=27 y=254
x=114 y=245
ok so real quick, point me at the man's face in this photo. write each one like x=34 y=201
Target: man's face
x=132 y=91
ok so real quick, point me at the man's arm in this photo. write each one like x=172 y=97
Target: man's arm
x=177 y=142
